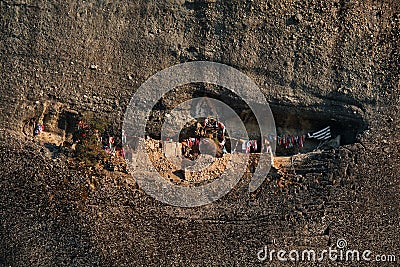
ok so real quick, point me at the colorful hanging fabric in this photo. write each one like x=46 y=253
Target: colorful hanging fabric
x=291 y=141
x=255 y=145
x=244 y=147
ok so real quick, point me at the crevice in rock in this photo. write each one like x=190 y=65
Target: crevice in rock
x=290 y=119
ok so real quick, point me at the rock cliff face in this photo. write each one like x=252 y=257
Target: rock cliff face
x=317 y=62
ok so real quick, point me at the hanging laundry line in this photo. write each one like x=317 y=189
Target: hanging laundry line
x=291 y=141
x=298 y=140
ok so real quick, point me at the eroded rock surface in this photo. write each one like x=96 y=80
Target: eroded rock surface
x=312 y=60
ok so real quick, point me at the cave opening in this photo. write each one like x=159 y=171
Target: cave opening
x=67 y=120
x=295 y=121
x=290 y=120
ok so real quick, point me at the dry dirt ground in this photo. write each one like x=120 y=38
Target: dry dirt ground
x=315 y=61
